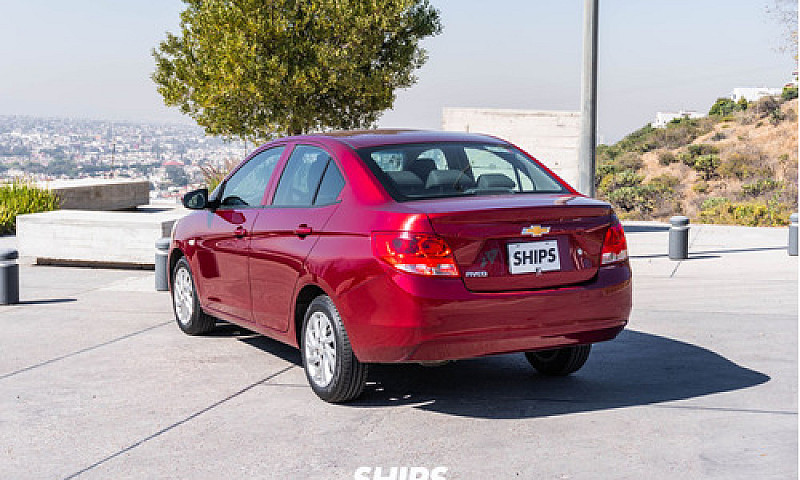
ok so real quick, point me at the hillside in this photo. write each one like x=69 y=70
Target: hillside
x=739 y=165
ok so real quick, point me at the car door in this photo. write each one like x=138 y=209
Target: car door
x=222 y=252
x=284 y=233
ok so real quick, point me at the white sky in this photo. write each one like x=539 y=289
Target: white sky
x=91 y=58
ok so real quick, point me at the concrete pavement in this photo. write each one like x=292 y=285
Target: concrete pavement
x=97 y=382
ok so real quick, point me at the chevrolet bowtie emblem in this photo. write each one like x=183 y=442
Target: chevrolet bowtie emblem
x=535 y=230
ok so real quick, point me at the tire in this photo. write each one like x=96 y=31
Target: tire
x=185 y=304
x=331 y=367
x=559 y=362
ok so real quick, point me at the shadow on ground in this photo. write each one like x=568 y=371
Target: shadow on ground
x=635 y=369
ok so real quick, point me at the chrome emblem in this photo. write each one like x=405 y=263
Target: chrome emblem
x=535 y=230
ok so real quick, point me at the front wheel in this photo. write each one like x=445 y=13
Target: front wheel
x=332 y=369
x=190 y=317
x=559 y=362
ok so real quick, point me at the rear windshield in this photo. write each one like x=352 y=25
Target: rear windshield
x=431 y=170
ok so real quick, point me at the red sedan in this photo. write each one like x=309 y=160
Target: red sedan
x=401 y=246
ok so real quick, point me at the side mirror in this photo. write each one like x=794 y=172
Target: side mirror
x=196 y=199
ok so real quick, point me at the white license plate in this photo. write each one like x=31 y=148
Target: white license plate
x=531 y=257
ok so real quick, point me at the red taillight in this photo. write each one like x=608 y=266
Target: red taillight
x=615 y=248
x=418 y=253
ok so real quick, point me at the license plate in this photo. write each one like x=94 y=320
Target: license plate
x=532 y=257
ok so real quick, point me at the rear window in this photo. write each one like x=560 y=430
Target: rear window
x=412 y=172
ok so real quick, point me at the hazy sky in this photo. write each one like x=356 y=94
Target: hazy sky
x=91 y=58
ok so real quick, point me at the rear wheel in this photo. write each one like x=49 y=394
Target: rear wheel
x=190 y=317
x=559 y=362
x=332 y=369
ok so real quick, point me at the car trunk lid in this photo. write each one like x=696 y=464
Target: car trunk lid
x=524 y=242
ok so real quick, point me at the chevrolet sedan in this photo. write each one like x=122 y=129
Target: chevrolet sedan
x=401 y=246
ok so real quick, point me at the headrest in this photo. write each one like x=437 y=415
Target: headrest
x=452 y=179
x=489 y=181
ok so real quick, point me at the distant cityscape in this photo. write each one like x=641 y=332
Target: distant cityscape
x=168 y=155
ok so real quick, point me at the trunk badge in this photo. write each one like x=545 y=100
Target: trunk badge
x=535 y=230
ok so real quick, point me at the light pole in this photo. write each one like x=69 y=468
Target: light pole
x=588 y=137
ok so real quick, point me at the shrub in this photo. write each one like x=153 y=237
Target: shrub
x=713 y=202
x=664 y=183
x=213 y=175
x=753 y=213
x=766 y=106
x=702 y=149
x=723 y=106
x=629 y=161
x=742 y=104
x=707 y=165
x=20 y=197
x=666 y=158
x=789 y=93
x=701 y=186
x=760 y=187
x=686 y=158
x=742 y=165
x=638 y=198
x=719 y=136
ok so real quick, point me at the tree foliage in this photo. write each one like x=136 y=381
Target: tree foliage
x=254 y=69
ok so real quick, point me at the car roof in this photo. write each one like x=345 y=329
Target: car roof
x=373 y=138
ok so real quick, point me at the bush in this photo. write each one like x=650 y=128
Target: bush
x=742 y=104
x=723 y=106
x=760 y=187
x=702 y=149
x=743 y=165
x=701 y=186
x=719 y=136
x=756 y=214
x=639 y=198
x=707 y=165
x=666 y=158
x=789 y=93
x=213 y=175
x=713 y=202
x=664 y=183
x=629 y=161
x=20 y=197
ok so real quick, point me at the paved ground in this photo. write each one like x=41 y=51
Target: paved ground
x=96 y=382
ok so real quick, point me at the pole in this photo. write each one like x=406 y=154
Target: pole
x=588 y=140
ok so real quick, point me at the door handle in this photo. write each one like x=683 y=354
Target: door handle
x=239 y=232
x=302 y=230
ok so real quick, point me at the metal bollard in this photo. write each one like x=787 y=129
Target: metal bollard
x=162 y=252
x=793 y=235
x=9 y=277
x=679 y=238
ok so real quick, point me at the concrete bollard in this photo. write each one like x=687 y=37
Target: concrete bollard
x=793 y=235
x=162 y=268
x=679 y=238
x=9 y=277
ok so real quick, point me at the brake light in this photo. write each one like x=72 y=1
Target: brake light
x=615 y=248
x=417 y=253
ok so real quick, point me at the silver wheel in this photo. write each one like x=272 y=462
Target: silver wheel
x=320 y=349
x=183 y=296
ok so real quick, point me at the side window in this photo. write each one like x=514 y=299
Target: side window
x=300 y=179
x=246 y=187
x=331 y=186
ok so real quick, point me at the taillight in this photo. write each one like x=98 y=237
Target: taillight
x=417 y=253
x=615 y=248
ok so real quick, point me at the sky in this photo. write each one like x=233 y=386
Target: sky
x=91 y=58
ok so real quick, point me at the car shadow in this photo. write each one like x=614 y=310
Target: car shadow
x=635 y=369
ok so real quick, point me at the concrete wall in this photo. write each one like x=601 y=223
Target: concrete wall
x=551 y=137
x=100 y=193
x=94 y=238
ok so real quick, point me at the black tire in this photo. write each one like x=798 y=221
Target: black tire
x=196 y=322
x=559 y=362
x=349 y=375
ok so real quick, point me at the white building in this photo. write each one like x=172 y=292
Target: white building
x=752 y=94
x=550 y=136
x=663 y=118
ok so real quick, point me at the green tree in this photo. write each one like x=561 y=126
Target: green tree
x=723 y=106
x=254 y=69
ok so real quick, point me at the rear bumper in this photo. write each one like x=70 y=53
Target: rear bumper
x=403 y=318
